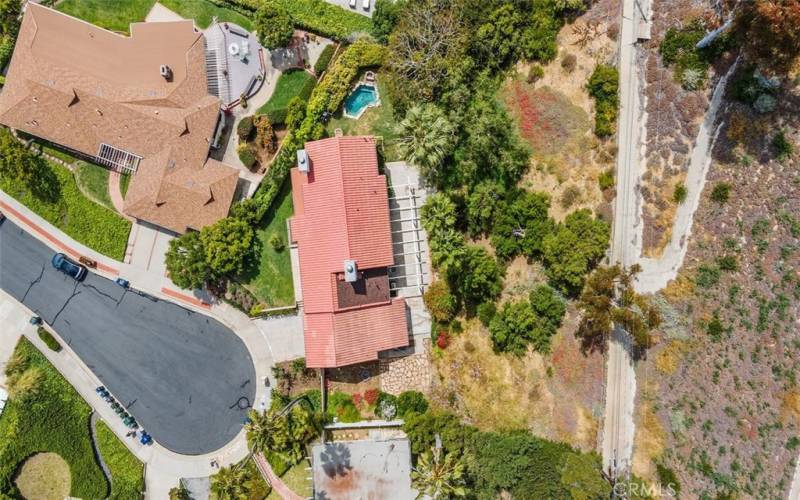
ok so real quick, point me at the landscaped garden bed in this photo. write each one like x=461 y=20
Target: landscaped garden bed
x=45 y=414
x=70 y=211
x=126 y=470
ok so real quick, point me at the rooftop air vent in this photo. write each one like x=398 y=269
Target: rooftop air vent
x=166 y=72
x=302 y=161
x=350 y=271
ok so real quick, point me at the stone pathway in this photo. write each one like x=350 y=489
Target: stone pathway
x=115 y=193
x=408 y=373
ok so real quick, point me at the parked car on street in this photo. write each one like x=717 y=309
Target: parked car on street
x=365 y=4
x=69 y=267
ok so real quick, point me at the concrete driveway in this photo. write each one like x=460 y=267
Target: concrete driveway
x=182 y=375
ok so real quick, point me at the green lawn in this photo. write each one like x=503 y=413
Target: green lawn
x=127 y=472
x=84 y=220
x=297 y=479
x=93 y=182
x=45 y=414
x=202 y=11
x=271 y=282
x=124 y=182
x=114 y=15
x=290 y=84
x=378 y=121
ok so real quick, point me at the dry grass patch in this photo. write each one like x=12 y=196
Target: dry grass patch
x=650 y=440
x=44 y=476
x=790 y=407
x=669 y=358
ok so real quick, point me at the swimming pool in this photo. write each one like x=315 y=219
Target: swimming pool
x=362 y=97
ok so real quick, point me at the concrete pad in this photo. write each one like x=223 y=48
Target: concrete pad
x=159 y=13
x=284 y=335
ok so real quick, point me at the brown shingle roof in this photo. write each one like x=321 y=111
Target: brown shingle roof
x=79 y=85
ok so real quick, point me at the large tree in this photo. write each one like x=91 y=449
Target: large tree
x=385 y=17
x=771 y=30
x=608 y=299
x=426 y=138
x=186 y=261
x=273 y=24
x=573 y=249
x=478 y=278
x=230 y=483
x=521 y=224
x=226 y=245
x=285 y=433
x=528 y=323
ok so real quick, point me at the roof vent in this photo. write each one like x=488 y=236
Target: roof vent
x=302 y=161
x=350 y=271
x=166 y=72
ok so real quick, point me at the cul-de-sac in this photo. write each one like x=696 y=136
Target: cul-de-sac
x=399 y=249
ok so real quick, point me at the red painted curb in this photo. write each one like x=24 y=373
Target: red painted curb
x=185 y=298
x=52 y=239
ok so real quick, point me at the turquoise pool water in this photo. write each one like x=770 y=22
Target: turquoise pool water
x=359 y=99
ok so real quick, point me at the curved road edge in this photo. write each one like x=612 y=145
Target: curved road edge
x=163 y=467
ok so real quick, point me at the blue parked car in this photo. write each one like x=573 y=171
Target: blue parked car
x=69 y=267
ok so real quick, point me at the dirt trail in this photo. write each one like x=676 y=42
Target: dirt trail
x=656 y=273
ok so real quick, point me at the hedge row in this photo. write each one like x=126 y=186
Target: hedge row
x=326 y=97
x=316 y=16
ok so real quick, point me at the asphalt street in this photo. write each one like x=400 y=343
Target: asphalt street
x=181 y=374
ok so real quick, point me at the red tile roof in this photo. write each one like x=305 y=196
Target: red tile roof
x=342 y=213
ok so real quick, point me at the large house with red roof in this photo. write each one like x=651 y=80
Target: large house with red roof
x=343 y=234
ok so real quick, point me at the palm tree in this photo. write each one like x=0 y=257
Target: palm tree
x=229 y=484
x=426 y=138
x=284 y=434
x=438 y=477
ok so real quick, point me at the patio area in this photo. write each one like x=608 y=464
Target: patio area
x=234 y=60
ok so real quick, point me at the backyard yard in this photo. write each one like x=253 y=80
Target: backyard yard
x=378 y=121
x=290 y=84
x=44 y=414
x=79 y=217
x=271 y=280
x=202 y=11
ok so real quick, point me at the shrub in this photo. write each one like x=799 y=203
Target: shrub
x=324 y=59
x=569 y=62
x=273 y=24
x=783 y=148
x=48 y=339
x=535 y=73
x=247 y=154
x=245 y=128
x=707 y=275
x=606 y=179
x=326 y=19
x=603 y=87
x=728 y=263
x=487 y=312
x=386 y=406
x=667 y=478
x=765 y=103
x=371 y=396
x=277 y=243
x=721 y=192
x=570 y=196
x=442 y=340
x=680 y=193
x=440 y=302
x=276 y=116
x=715 y=328
x=411 y=401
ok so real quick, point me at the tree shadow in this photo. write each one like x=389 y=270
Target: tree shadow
x=336 y=460
x=44 y=184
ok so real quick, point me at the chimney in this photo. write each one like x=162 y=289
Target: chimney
x=166 y=72
x=350 y=271
x=303 y=165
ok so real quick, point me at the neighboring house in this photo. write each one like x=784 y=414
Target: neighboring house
x=137 y=104
x=341 y=226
